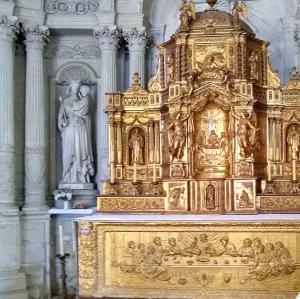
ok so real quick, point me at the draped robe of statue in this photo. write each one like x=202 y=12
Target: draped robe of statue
x=74 y=124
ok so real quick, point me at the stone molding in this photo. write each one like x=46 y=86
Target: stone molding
x=72 y=7
x=76 y=51
x=109 y=37
x=36 y=36
x=9 y=27
x=137 y=37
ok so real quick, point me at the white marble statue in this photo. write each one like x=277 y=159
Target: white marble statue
x=75 y=128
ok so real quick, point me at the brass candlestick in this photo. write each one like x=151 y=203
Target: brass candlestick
x=63 y=276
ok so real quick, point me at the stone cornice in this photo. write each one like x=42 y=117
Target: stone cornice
x=9 y=27
x=109 y=37
x=36 y=36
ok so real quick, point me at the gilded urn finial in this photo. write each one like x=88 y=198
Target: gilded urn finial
x=212 y=3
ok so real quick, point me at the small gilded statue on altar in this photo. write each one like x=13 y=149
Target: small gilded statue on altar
x=187 y=12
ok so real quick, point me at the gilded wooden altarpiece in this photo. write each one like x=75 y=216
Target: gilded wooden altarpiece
x=215 y=132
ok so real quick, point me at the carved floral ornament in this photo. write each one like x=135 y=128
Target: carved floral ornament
x=108 y=36
x=9 y=25
x=35 y=34
x=72 y=7
x=136 y=36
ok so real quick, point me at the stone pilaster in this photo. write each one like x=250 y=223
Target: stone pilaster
x=108 y=41
x=35 y=118
x=12 y=280
x=137 y=42
x=35 y=218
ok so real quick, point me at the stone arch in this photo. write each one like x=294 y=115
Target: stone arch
x=75 y=71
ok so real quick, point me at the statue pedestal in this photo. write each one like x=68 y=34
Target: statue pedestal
x=86 y=197
x=187 y=256
x=77 y=186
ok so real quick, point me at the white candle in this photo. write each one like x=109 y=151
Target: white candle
x=61 y=243
x=269 y=171
x=134 y=172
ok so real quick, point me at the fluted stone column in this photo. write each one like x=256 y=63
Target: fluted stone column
x=35 y=218
x=108 y=41
x=12 y=281
x=137 y=42
x=35 y=118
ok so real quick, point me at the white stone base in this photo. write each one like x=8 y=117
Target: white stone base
x=78 y=186
x=12 y=285
x=36 y=252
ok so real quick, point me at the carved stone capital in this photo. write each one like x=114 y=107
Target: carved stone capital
x=109 y=37
x=36 y=36
x=9 y=26
x=137 y=37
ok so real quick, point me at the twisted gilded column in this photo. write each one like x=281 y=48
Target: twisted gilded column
x=12 y=280
x=108 y=41
x=35 y=118
x=137 y=42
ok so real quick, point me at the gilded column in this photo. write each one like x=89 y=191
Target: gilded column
x=119 y=142
x=12 y=279
x=157 y=142
x=35 y=118
x=151 y=142
x=137 y=42
x=243 y=57
x=108 y=41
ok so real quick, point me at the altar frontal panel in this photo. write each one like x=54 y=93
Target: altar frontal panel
x=188 y=260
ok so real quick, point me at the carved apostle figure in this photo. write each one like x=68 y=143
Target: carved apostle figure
x=178 y=137
x=74 y=125
x=224 y=144
x=293 y=141
x=136 y=146
x=246 y=134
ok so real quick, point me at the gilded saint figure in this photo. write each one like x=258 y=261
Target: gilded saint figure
x=213 y=140
x=244 y=200
x=187 y=12
x=246 y=134
x=210 y=201
x=293 y=142
x=178 y=137
x=224 y=144
x=136 y=147
x=171 y=66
